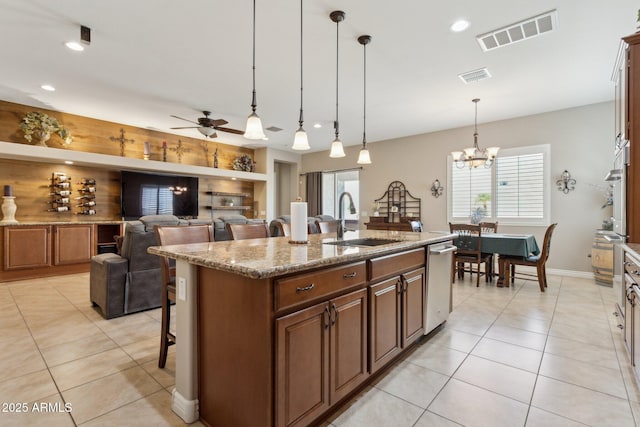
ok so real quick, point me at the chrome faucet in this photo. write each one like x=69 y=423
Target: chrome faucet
x=352 y=209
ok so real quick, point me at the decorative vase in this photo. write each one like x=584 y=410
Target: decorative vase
x=42 y=138
x=9 y=210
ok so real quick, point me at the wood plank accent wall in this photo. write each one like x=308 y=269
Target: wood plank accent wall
x=31 y=180
x=92 y=136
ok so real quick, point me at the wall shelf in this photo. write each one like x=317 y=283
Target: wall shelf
x=25 y=152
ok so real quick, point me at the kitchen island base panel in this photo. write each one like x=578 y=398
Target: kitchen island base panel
x=235 y=336
x=184 y=408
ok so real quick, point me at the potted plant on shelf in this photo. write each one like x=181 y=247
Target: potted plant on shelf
x=41 y=126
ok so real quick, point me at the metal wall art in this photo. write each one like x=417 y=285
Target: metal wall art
x=566 y=183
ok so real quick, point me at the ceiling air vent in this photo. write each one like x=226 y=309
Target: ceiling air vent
x=475 y=75
x=523 y=30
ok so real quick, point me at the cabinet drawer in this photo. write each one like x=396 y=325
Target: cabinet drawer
x=307 y=287
x=632 y=267
x=397 y=263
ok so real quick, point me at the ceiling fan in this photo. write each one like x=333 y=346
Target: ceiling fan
x=208 y=126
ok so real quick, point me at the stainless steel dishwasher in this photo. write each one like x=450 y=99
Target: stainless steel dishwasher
x=438 y=285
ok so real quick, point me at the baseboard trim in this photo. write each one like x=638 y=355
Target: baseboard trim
x=186 y=409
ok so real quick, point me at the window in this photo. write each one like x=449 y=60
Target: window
x=333 y=185
x=514 y=191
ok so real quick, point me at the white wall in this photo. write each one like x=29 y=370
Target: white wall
x=581 y=141
x=264 y=194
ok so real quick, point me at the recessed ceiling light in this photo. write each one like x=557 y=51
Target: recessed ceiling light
x=459 y=25
x=68 y=162
x=317 y=125
x=74 y=46
x=48 y=87
x=233 y=178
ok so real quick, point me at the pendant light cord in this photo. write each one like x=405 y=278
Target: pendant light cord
x=300 y=121
x=253 y=98
x=364 y=115
x=336 y=124
x=475 y=125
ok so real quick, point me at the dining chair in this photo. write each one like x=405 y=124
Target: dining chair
x=284 y=228
x=174 y=235
x=489 y=227
x=327 y=226
x=469 y=244
x=247 y=231
x=537 y=261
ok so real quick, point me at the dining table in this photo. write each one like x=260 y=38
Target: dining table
x=504 y=244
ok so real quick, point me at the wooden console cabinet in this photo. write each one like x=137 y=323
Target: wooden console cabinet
x=41 y=250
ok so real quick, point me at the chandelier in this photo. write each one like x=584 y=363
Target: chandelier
x=475 y=157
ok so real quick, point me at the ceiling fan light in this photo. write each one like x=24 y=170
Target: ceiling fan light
x=336 y=149
x=364 y=158
x=301 y=141
x=254 y=127
x=206 y=131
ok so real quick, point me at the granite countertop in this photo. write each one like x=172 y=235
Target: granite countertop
x=78 y=222
x=264 y=258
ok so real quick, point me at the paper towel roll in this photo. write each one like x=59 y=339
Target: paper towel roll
x=298 y=222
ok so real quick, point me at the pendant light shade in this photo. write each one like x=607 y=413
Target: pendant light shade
x=254 y=124
x=301 y=141
x=364 y=158
x=337 y=149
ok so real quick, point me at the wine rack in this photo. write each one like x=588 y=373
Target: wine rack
x=60 y=193
x=86 y=202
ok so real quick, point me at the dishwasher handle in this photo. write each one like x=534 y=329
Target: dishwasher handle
x=442 y=249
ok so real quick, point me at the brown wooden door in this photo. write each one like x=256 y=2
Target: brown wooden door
x=302 y=366
x=413 y=304
x=348 y=343
x=27 y=247
x=384 y=332
x=73 y=244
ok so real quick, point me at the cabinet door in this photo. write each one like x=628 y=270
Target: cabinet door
x=302 y=367
x=413 y=310
x=635 y=345
x=73 y=244
x=27 y=247
x=348 y=343
x=628 y=318
x=384 y=332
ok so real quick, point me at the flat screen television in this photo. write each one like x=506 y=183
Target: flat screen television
x=156 y=194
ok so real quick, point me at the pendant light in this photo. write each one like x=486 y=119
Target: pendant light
x=337 y=150
x=254 y=124
x=475 y=157
x=301 y=141
x=364 y=158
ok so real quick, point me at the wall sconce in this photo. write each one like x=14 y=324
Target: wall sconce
x=177 y=190
x=436 y=189
x=566 y=183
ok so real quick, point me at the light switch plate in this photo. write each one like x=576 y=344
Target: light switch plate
x=182 y=289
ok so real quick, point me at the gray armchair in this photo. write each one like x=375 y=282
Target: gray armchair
x=311 y=221
x=220 y=225
x=131 y=281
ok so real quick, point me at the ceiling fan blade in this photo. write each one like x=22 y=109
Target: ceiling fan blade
x=186 y=120
x=219 y=122
x=229 y=130
x=186 y=127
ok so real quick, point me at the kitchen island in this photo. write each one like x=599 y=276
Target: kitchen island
x=273 y=333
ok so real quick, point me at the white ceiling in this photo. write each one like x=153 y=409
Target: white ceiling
x=151 y=59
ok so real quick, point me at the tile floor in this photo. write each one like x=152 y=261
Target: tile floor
x=506 y=357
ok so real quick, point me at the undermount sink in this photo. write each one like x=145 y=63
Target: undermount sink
x=362 y=242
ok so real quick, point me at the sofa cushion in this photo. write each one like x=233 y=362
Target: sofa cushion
x=233 y=219
x=150 y=221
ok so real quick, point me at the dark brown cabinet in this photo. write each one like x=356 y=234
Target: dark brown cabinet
x=397 y=315
x=321 y=357
x=631 y=99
